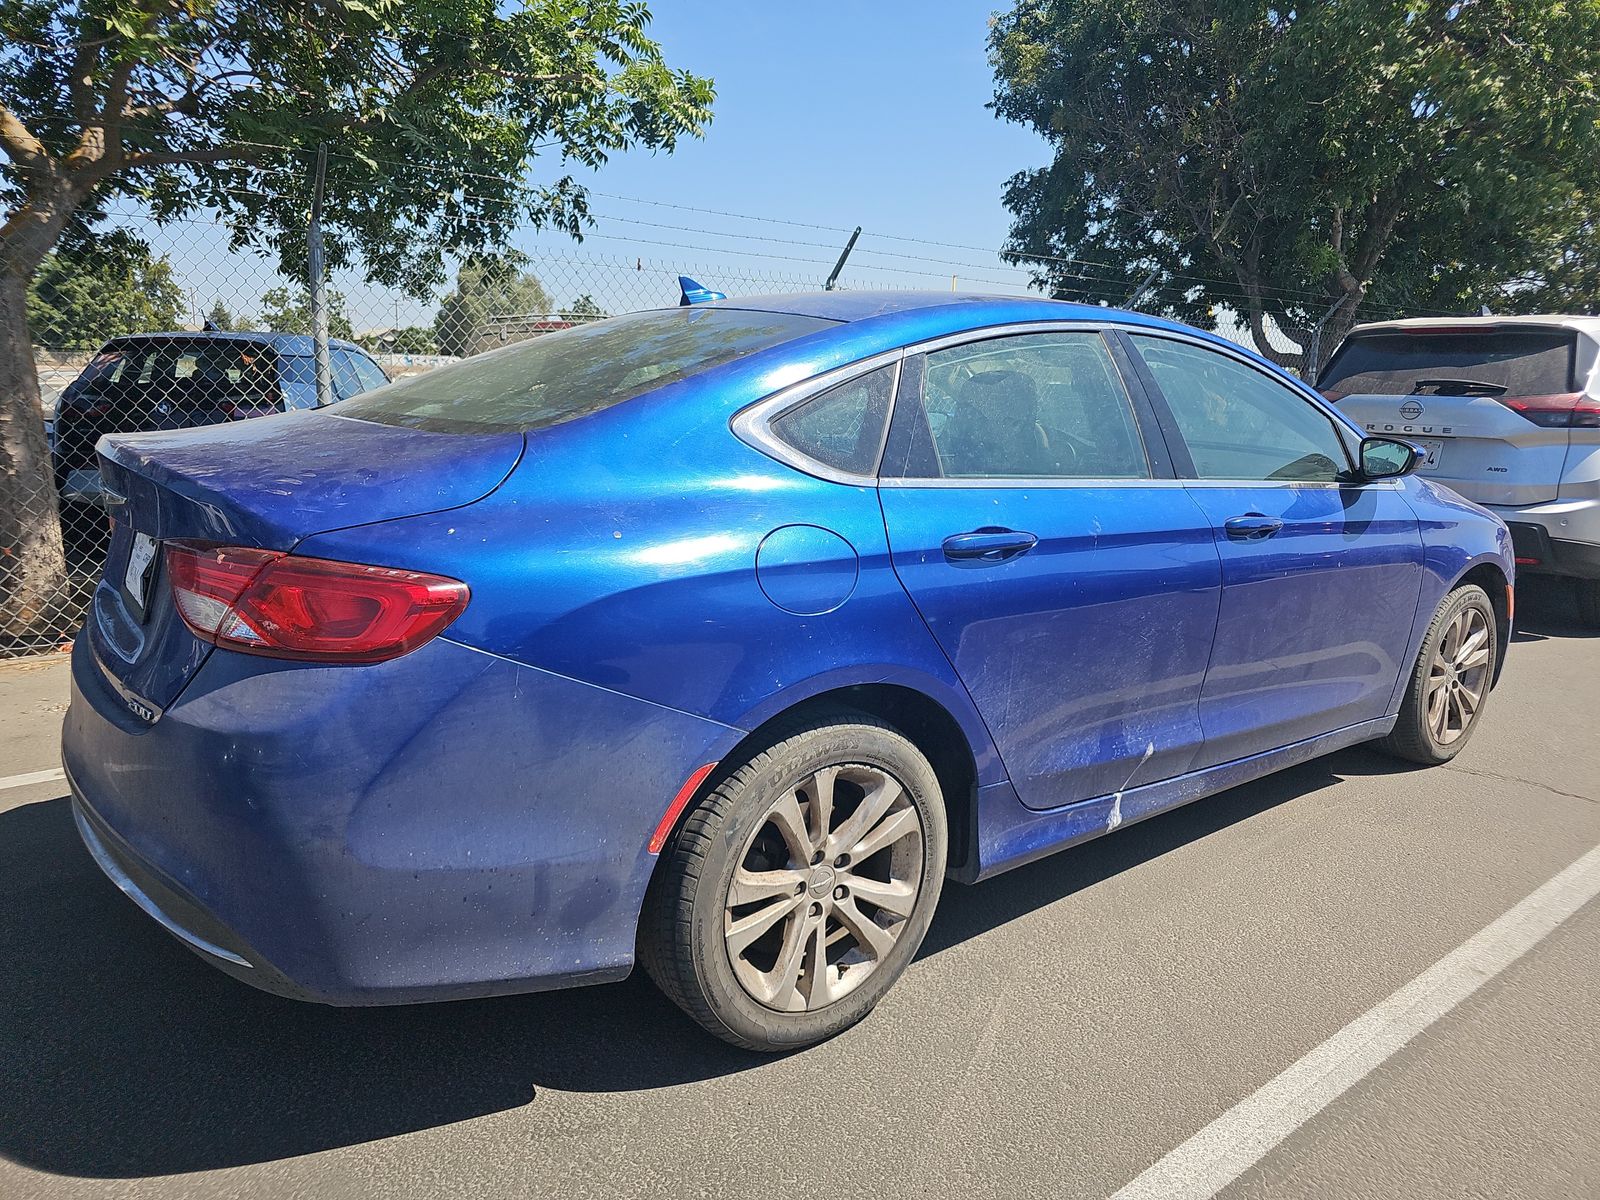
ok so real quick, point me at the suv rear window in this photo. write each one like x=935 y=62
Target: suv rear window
x=185 y=372
x=559 y=377
x=1512 y=362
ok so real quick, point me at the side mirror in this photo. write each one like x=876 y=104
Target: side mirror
x=1389 y=458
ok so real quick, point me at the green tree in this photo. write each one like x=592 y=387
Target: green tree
x=289 y=311
x=1300 y=164
x=434 y=112
x=221 y=318
x=584 y=308
x=495 y=302
x=87 y=291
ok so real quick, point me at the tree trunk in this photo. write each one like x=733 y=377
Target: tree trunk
x=32 y=566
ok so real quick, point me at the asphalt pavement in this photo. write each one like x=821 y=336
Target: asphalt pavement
x=1066 y=1028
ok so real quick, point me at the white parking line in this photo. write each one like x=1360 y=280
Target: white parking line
x=1247 y=1132
x=16 y=781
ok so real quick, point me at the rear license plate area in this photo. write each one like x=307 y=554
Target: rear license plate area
x=138 y=575
x=1434 y=452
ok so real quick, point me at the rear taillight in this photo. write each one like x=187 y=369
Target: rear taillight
x=1569 y=410
x=284 y=606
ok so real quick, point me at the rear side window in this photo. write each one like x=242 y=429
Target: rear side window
x=844 y=427
x=558 y=377
x=1501 y=362
x=299 y=374
x=346 y=380
x=369 y=372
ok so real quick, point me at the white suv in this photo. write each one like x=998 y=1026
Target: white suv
x=1508 y=409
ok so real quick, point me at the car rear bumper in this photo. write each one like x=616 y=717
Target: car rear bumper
x=446 y=825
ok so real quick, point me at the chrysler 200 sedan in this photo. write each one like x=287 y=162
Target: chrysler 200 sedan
x=719 y=637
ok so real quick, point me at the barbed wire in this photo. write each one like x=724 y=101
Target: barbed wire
x=1070 y=267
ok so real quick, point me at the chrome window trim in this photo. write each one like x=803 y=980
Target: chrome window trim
x=994 y=481
x=751 y=424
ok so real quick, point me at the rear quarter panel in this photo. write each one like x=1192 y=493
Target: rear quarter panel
x=623 y=553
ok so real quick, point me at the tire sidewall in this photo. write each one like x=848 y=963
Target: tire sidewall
x=785 y=767
x=1467 y=596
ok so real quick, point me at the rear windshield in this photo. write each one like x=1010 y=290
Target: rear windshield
x=182 y=370
x=558 y=377
x=1513 y=362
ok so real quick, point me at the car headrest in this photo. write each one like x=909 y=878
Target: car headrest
x=1010 y=395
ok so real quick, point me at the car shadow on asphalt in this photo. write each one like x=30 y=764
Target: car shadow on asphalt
x=122 y=1055
x=1547 y=608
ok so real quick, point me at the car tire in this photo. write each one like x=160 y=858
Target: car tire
x=861 y=890
x=1449 y=685
x=1588 y=594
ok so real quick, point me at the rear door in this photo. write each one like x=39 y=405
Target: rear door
x=1320 y=574
x=1070 y=580
x=1492 y=404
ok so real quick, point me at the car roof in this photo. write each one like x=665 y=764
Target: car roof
x=1576 y=321
x=284 y=343
x=903 y=317
x=859 y=306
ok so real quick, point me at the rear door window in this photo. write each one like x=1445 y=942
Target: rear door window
x=1029 y=406
x=559 y=377
x=1510 y=362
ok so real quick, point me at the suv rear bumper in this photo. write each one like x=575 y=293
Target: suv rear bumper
x=1540 y=554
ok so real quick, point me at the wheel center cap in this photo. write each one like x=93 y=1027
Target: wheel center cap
x=821 y=882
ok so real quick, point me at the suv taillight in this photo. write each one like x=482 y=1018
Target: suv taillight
x=284 y=606
x=1567 y=410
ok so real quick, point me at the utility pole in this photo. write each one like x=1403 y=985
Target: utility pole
x=318 y=289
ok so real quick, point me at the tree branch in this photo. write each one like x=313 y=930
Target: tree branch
x=174 y=158
x=26 y=151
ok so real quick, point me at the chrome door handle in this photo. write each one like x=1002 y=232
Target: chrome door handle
x=989 y=545
x=1252 y=527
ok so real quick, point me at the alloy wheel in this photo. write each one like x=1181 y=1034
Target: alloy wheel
x=824 y=887
x=1459 y=676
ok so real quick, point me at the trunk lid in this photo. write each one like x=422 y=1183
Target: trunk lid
x=1458 y=390
x=1476 y=445
x=269 y=483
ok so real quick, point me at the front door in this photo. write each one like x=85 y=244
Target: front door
x=1320 y=574
x=1074 y=590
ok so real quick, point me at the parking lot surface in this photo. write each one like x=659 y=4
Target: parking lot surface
x=1066 y=1027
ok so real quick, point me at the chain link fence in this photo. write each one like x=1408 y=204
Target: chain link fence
x=156 y=327
x=163 y=327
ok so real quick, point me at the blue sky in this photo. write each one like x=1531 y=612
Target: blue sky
x=827 y=114
x=840 y=114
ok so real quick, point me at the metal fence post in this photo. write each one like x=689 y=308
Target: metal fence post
x=318 y=290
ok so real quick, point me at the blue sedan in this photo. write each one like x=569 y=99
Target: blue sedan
x=719 y=637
